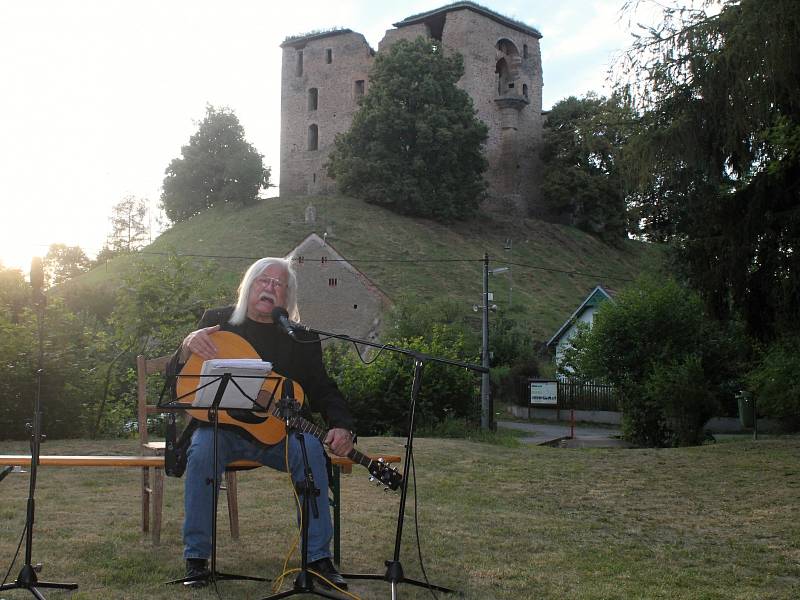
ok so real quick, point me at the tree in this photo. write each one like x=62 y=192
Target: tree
x=672 y=364
x=218 y=166
x=717 y=161
x=583 y=146
x=14 y=294
x=414 y=145
x=62 y=263
x=129 y=228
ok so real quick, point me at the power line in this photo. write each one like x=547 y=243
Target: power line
x=406 y=261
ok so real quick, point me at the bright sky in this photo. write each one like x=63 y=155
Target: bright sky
x=98 y=96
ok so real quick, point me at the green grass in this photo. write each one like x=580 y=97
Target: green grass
x=718 y=521
x=544 y=295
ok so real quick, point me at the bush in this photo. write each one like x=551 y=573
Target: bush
x=672 y=364
x=378 y=392
x=774 y=381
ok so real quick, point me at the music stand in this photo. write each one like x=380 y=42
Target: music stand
x=394 y=568
x=213 y=417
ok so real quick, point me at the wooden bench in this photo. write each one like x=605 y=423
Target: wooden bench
x=341 y=465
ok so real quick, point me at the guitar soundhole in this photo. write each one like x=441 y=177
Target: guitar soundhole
x=247 y=416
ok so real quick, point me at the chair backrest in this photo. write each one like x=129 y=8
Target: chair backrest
x=145 y=367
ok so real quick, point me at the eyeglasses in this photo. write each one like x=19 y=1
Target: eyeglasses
x=266 y=281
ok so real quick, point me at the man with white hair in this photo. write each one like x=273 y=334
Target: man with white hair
x=267 y=284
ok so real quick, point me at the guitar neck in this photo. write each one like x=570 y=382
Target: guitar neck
x=319 y=433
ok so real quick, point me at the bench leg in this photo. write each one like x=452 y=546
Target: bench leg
x=158 y=504
x=233 y=502
x=145 y=499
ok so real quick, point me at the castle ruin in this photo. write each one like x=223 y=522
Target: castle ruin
x=325 y=74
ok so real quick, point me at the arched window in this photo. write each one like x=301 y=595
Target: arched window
x=299 y=64
x=313 y=97
x=313 y=137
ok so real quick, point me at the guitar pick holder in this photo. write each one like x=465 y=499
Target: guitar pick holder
x=213 y=417
x=394 y=568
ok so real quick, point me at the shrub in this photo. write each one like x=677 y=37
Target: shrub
x=378 y=392
x=774 y=381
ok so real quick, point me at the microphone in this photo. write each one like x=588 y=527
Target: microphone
x=37 y=280
x=281 y=318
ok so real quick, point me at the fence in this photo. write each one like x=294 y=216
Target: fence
x=587 y=396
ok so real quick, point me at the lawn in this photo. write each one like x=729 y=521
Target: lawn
x=496 y=522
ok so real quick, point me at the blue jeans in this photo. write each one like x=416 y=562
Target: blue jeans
x=199 y=497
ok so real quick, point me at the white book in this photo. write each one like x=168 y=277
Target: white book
x=246 y=373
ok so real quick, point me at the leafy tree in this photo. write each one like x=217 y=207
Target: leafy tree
x=216 y=167
x=69 y=374
x=414 y=146
x=129 y=229
x=62 y=263
x=583 y=147
x=674 y=366
x=717 y=161
x=14 y=294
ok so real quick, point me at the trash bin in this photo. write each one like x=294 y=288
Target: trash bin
x=747 y=411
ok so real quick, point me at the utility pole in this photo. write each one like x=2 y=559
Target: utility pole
x=487 y=410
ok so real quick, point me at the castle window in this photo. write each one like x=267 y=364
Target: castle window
x=313 y=137
x=524 y=50
x=299 y=65
x=328 y=55
x=313 y=97
x=358 y=90
x=525 y=90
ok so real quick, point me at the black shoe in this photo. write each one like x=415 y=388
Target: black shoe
x=324 y=566
x=197 y=567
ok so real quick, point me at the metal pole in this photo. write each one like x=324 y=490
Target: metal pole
x=487 y=411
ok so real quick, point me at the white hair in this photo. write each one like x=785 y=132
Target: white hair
x=256 y=269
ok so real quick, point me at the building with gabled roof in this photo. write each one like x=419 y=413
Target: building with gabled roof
x=585 y=312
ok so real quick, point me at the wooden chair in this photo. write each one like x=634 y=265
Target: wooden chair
x=154 y=494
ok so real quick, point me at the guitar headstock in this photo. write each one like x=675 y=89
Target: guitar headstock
x=385 y=475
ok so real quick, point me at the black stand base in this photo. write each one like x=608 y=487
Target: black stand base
x=215 y=577
x=27 y=580
x=394 y=575
x=304 y=584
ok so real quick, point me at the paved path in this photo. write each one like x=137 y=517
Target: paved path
x=544 y=433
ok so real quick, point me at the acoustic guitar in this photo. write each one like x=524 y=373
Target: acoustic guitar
x=267 y=426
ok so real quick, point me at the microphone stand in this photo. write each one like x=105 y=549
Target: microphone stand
x=394 y=568
x=304 y=583
x=27 y=579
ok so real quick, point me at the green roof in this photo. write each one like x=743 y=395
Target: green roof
x=482 y=10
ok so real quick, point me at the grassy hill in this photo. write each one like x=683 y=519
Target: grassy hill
x=553 y=267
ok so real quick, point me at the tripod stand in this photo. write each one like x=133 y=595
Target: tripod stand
x=27 y=579
x=213 y=415
x=304 y=583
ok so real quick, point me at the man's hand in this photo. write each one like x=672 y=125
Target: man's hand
x=199 y=343
x=340 y=441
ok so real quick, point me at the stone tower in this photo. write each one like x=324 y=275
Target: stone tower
x=324 y=75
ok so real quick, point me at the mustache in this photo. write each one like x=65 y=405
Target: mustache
x=267 y=296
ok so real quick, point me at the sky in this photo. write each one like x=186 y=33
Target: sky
x=98 y=96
